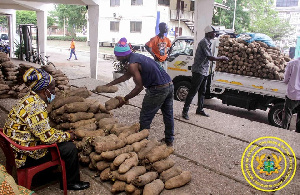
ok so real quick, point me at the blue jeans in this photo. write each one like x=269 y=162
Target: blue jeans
x=198 y=85
x=72 y=52
x=155 y=99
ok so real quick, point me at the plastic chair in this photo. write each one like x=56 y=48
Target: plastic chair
x=25 y=175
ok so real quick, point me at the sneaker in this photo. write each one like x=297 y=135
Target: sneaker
x=185 y=115
x=202 y=113
x=68 y=59
x=169 y=144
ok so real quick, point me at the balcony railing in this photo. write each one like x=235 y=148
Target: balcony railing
x=184 y=15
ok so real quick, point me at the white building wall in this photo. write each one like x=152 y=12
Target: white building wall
x=125 y=13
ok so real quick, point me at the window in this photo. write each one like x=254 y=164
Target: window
x=135 y=26
x=286 y=3
x=164 y=2
x=114 y=26
x=192 y=8
x=182 y=47
x=136 y=2
x=114 y=3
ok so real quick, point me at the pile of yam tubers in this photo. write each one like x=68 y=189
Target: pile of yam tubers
x=256 y=59
x=119 y=153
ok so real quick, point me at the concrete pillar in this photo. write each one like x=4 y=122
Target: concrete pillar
x=203 y=17
x=93 y=12
x=42 y=31
x=11 y=33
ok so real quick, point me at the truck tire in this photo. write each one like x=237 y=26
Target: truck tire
x=181 y=89
x=275 y=115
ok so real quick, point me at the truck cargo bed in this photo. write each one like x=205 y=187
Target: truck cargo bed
x=249 y=84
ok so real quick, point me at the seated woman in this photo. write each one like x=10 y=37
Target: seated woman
x=28 y=125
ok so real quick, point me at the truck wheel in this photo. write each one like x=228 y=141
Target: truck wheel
x=275 y=115
x=181 y=89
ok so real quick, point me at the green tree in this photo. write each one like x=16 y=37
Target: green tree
x=224 y=17
x=72 y=15
x=3 y=20
x=26 y=17
x=264 y=19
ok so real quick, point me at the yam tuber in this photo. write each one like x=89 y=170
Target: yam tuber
x=159 y=153
x=128 y=163
x=118 y=186
x=104 y=176
x=163 y=165
x=110 y=155
x=86 y=133
x=137 y=136
x=121 y=158
x=168 y=174
x=101 y=165
x=106 y=121
x=58 y=102
x=88 y=127
x=111 y=104
x=118 y=130
x=137 y=146
x=179 y=180
x=106 y=89
x=74 y=117
x=76 y=107
x=145 y=178
x=144 y=151
x=129 y=175
x=99 y=116
x=111 y=142
x=129 y=188
x=80 y=123
x=154 y=188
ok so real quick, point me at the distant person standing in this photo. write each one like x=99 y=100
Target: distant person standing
x=158 y=46
x=72 y=47
x=292 y=98
x=200 y=70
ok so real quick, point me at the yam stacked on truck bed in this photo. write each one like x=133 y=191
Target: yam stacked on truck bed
x=256 y=59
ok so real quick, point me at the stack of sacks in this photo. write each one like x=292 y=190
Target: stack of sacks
x=256 y=59
x=61 y=80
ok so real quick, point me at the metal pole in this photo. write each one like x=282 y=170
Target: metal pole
x=234 y=15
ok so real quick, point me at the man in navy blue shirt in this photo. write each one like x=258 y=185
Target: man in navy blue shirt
x=159 y=88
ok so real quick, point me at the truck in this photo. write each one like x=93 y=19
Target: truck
x=242 y=91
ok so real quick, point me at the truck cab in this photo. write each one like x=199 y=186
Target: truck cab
x=242 y=91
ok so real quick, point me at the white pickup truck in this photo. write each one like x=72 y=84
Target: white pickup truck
x=246 y=92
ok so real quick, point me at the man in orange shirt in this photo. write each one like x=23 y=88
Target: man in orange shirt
x=158 y=46
x=72 y=47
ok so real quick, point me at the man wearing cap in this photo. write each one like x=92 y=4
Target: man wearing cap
x=158 y=46
x=159 y=88
x=200 y=70
x=28 y=125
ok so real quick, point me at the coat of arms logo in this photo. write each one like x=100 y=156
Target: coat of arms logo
x=269 y=164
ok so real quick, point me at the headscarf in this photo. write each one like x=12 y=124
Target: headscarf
x=122 y=48
x=37 y=79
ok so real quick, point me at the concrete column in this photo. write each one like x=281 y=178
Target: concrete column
x=11 y=34
x=42 y=31
x=93 y=12
x=203 y=17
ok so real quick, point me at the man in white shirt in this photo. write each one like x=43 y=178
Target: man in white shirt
x=292 y=101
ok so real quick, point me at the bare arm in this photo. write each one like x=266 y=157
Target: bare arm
x=137 y=78
x=121 y=79
x=149 y=49
x=221 y=58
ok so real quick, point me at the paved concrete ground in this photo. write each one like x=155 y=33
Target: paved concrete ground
x=211 y=148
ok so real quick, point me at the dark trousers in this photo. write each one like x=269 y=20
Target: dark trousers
x=198 y=85
x=289 y=106
x=155 y=99
x=69 y=154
